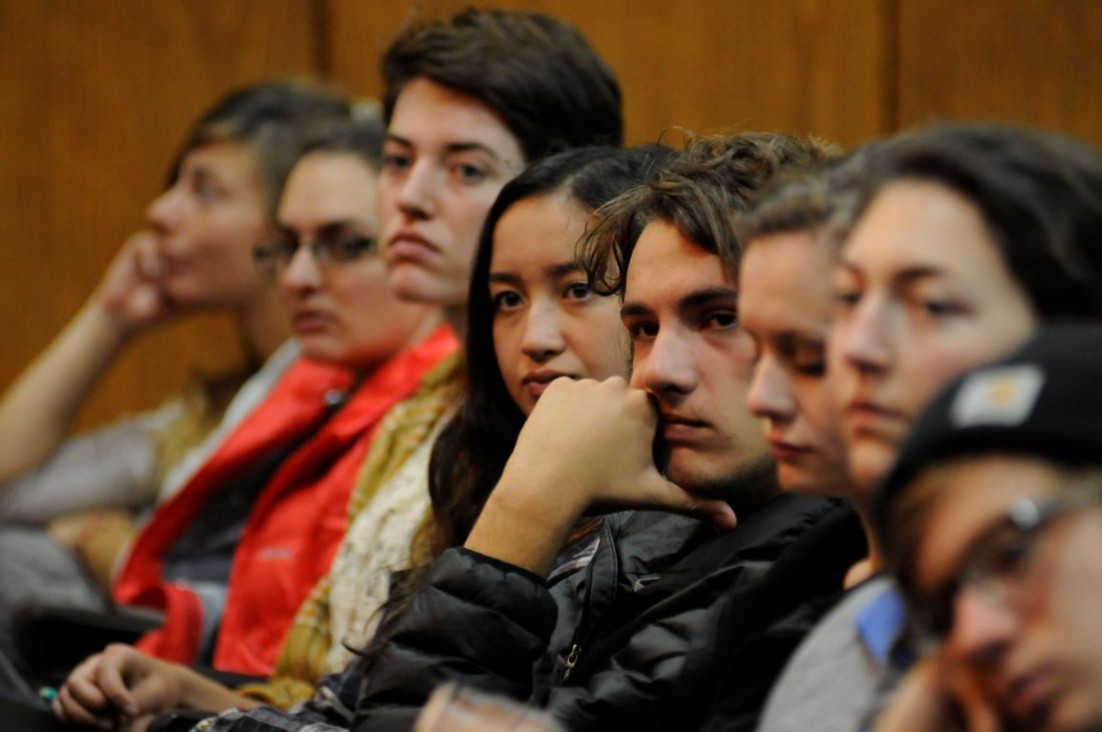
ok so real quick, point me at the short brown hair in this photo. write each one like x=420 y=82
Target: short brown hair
x=273 y=118
x=540 y=74
x=699 y=193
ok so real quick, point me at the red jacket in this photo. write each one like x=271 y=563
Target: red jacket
x=297 y=522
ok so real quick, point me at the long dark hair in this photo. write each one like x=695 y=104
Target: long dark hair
x=470 y=453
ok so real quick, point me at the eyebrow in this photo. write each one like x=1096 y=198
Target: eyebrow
x=328 y=229
x=692 y=301
x=705 y=297
x=451 y=148
x=554 y=271
x=905 y=276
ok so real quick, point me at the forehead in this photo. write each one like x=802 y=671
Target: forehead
x=784 y=282
x=920 y=224
x=666 y=268
x=427 y=115
x=965 y=496
x=538 y=231
x=223 y=158
x=328 y=186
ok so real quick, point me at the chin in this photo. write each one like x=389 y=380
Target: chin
x=869 y=463
x=411 y=283
x=795 y=480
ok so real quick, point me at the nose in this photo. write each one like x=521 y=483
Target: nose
x=417 y=190
x=302 y=273
x=865 y=333
x=982 y=628
x=664 y=367
x=543 y=336
x=164 y=211
x=770 y=393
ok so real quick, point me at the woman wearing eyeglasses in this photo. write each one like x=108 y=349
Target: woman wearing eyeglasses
x=991 y=520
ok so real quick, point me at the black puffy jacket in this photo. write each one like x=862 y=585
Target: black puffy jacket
x=617 y=645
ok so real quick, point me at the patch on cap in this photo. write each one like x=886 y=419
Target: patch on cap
x=1001 y=396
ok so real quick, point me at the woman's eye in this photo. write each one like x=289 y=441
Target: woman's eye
x=351 y=247
x=470 y=173
x=938 y=308
x=207 y=191
x=504 y=301
x=396 y=161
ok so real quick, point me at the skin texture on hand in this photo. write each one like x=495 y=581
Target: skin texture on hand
x=130 y=294
x=123 y=688
x=455 y=709
x=38 y=408
x=938 y=695
x=587 y=445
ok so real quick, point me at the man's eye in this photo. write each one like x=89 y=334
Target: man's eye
x=641 y=331
x=814 y=369
x=721 y=319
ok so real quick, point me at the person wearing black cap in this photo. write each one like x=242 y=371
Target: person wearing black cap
x=990 y=519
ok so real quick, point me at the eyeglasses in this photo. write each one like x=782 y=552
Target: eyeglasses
x=274 y=255
x=1002 y=563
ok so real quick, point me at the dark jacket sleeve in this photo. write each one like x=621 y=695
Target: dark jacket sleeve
x=476 y=621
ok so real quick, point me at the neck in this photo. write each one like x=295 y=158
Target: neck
x=262 y=326
x=424 y=329
x=873 y=563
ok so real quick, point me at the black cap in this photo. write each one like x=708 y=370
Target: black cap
x=1045 y=400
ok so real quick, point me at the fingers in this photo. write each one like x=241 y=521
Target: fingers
x=456 y=709
x=79 y=699
x=147 y=255
x=111 y=679
x=657 y=491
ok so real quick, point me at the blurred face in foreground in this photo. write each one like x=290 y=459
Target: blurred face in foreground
x=922 y=295
x=1008 y=569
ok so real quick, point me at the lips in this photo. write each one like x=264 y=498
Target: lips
x=408 y=246
x=863 y=416
x=306 y=322
x=1029 y=695
x=783 y=451
x=678 y=429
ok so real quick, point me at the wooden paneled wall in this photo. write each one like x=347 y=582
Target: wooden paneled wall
x=96 y=95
